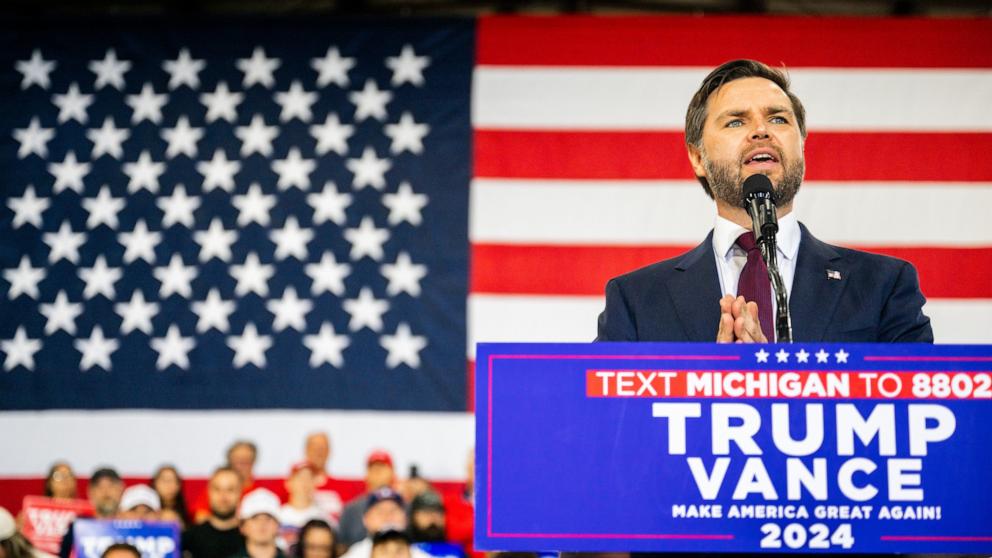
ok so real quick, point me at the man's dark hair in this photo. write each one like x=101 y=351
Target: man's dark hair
x=227 y=469
x=695 y=116
x=122 y=546
x=239 y=443
x=312 y=525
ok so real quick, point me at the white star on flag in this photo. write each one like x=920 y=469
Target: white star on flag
x=370 y=102
x=184 y=70
x=69 y=174
x=61 y=314
x=326 y=346
x=291 y=240
x=215 y=242
x=762 y=355
x=802 y=356
x=249 y=347
x=365 y=311
x=24 y=279
x=408 y=67
x=33 y=139
x=366 y=240
x=252 y=276
x=222 y=103
x=290 y=311
x=782 y=356
x=822 y=356
x=332 y=135
x=108 y=140
x=64 y=244
x=20 y=350
x=332 y=68
x=35 y=71
x=294 y=170
x=103 y=209
x=28 y=208
x=256 y=137
x=259 y=69
x=173 y=349
x=407 y=135
x=109 y=71
x=218 y=172
x=254 y=206
x=140 y=243
x=404 y=276
x=147 y=105
x=100 y=279
x=329 y=205
x=143 y=173
x=405 y=205
x=96 y=350
x=177 y=278
x=213 y=312
x=370 y=170
x=403 y=347
x=178 y=208
x=296 y=103
x=72 y=105
x=328 y=275
x=137 y=313
x=182 y=139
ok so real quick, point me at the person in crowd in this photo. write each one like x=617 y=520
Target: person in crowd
x=391 y=543
x=140 y=502
x=121 y=550
x=13 y=544
x=384 y=510
x=169 y=486
x=414 y=485
x=60 y=483
x=241 y=456
x=317 y=451
x=427 y=518
x=301 y=506
x=104 y=492
x=459 y=507
x=316 y=540
x=379 y=473
x=259 y=514
x=218 y=536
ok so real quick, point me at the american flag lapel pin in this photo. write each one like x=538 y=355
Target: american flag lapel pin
x=833 y=274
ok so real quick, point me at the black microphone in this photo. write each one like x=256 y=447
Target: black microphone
x=759 y=201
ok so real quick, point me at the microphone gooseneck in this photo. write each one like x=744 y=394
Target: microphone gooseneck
x=759 y=201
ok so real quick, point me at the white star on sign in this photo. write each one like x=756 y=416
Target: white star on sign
x=64 y=244
x=332 y=135
x=100 y=279
x=329 y=205
x=403 y=347
x=249 y=347
x=762 y=355
x=802 y=356
x=218 y=172
x=253 y=207
x=252 y=276
x=61 y=314
x=290 y=311
x=291 y=240
x=365 y=311
x=177 y=278
x=182 y=139
x=296 y=103
x=69 y=174
x=28 y=208
x=405 y=205
x=184 y=70
x=370 y=102
x=407 y=135
x=109 y=71
x=72 y=105
x=403 y=275
x=147 y=105
x=33 y=139
x=215 y=242
x=24 y=279
x=294 y=170
x=782 y=356
x=256 y=137
x=103 y=209
x=222 y=103
x=332 y=68
x=366 y=240
x=20 y=350
x=408 y=67
x=841 y=356
x=140 y=243
x=328 y=275
x=178 y=208
x=173 y=349
x=96 y=350
x=326 y=346
x=35 y=71
x=213 y=312
x=370 y=170
x=822 y=356
x=137 y=313
x=143 y=173
x=258 y=69
x=108 y=139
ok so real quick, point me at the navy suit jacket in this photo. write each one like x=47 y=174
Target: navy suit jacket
x=876 y=299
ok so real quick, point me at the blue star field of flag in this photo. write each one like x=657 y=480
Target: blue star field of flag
x=249 y=216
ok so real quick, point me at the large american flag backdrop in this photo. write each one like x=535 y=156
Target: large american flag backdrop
x=261 y=229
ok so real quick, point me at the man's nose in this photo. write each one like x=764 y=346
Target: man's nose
x=759 y=131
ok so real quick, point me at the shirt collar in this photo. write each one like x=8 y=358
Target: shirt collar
x=725 y=233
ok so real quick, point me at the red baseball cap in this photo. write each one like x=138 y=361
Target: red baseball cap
x=379 y=456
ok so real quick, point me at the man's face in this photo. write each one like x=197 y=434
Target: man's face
x=391 y=549
x=750 y=129
x=427 y=525
x=386 y=513
x=140 y=512
x=301 y=484
x=105 y=495
x=242 y=460
x=260 y=529
x=378 y=475
x=223 y=493
x=318 y=450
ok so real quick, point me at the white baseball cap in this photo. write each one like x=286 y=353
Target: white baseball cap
x=259 y=501
x=140 y=494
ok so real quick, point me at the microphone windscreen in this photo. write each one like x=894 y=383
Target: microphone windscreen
x=757 y=184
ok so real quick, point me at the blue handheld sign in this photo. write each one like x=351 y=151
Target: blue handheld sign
x=154 y=539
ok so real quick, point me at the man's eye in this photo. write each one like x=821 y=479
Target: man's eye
x=779 y=120
x=735 y=124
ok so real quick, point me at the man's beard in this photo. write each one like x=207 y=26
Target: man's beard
x=223 y=515
x=726 y=182
x=430 y=533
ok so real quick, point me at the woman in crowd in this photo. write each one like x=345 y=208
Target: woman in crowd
x=60 y=482
x=317 y=540
x=169 y=486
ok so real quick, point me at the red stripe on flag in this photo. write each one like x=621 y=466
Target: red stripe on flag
x=708 y=41
x=841 y=156
x=584 y=270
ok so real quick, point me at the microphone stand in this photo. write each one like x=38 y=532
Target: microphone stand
x=783 y=319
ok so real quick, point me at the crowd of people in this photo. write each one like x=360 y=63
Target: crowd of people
x=234 y=517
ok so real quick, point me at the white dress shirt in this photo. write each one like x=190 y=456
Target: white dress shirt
x=730 y=258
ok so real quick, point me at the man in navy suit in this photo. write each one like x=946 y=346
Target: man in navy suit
x=743 y=120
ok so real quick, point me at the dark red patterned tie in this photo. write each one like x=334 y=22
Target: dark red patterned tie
x=754 y=285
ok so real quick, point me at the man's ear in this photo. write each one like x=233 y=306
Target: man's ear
x=696 y=159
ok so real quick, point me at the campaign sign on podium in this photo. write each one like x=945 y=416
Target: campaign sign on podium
x=734 y=448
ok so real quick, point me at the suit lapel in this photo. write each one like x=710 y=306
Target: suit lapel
x=821 y=275
x=695 y=292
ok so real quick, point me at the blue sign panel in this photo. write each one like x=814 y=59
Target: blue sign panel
x=734 y=448
x=153 y=539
